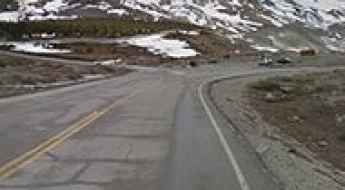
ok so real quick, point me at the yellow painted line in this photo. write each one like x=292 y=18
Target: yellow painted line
x=13 y=166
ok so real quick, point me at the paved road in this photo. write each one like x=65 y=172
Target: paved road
x=146 y=130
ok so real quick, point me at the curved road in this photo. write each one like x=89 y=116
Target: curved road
x=150 y=130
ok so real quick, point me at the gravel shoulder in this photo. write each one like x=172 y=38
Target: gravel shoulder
x=292 y=161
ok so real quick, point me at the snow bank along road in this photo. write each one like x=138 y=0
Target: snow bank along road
x=150 y=129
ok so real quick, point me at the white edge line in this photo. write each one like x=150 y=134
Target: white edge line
x=231 y=157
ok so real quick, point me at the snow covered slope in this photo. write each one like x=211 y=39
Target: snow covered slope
x=314 y=13
x=213 y=13
x=234 y=16
x=245 y=15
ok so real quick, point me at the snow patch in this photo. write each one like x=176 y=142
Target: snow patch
x=274 y=21
x=93 y=76
x=298 y=49
x=192 y=33
x=157 y=45
x=9 y=16
x=101 y=6
x=314 y=13
x=51 y=17
x=108 y=62
x=55 y=6
x=35 y=10
x=119 y=12
x=208 y=13
x=265 y=48
x=105 y=6
x=32 y=47
x=334 y=44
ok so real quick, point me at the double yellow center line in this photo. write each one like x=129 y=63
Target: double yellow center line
x=13 y=166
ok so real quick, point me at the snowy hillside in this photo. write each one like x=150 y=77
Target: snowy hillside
x=243 y=15
x=314 y=13
x=233 y=16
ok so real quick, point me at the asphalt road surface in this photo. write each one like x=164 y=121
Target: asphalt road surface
x=148 y=130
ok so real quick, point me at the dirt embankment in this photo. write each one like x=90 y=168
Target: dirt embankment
x=309 y=108
x=293 y=121
x=19 y=76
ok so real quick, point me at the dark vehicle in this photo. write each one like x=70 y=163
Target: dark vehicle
x=284 y=60
x=308 y=52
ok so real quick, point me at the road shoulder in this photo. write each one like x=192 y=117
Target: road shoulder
x=250 y=171
x=293 y=171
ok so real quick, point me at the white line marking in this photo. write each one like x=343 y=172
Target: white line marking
x=242 y=180
x=231 y=157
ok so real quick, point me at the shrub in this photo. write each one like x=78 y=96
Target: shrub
x=89 y=27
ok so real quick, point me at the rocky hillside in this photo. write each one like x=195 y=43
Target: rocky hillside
x=265 y=24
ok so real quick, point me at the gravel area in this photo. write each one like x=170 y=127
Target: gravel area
x=290 y=160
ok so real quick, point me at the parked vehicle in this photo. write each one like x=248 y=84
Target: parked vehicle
x=284 y=60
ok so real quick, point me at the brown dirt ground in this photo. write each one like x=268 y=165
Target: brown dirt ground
x=19 y=76
x=309 y=108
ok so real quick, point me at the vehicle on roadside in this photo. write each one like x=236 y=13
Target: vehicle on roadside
x=284 y=61
x=265 y=61
x=308 y=52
